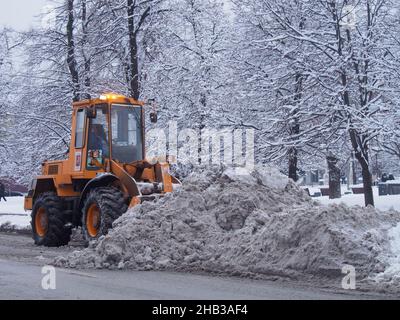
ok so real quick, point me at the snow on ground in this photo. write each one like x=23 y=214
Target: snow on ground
x=14 y=205
x=13 y=215
x=383 y=203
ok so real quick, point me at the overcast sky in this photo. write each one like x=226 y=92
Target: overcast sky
x=20 y=14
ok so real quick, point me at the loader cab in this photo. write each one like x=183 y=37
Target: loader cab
x=108 y=129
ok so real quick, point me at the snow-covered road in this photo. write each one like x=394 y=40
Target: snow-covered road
x=21 y=274
x=23 y=281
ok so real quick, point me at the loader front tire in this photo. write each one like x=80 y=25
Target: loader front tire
x=49 y=224
x=102 y=207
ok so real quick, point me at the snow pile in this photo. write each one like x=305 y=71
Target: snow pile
x=15 y=223
x=11 y=227
x=242 y=223
x=390 y=277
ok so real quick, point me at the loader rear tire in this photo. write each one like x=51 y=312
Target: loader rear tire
x=102 y=207
x=49 y=224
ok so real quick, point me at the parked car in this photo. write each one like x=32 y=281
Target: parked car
x=14 y=194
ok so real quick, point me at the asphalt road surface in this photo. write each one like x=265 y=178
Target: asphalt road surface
x=21 y=278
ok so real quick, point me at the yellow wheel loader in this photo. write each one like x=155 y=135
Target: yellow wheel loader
x=105 y=174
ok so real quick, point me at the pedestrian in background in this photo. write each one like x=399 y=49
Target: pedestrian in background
x=2 y=192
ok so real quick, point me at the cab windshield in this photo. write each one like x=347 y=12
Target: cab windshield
x=126 y=124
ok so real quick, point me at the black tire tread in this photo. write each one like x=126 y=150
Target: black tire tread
x=112 y=204
x=58 y=233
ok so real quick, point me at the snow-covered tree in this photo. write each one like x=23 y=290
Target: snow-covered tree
x=6 y=69
x=89 y=50
x=336 y=60
x=187 y=70
x=353 y=39
x=317 y=80
x=277 y=90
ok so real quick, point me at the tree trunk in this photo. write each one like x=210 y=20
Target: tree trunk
x=360 y=147
x=202 y=126
x=293 y=162
x=335 y=191
x=201 y=142
x=295 y=128
x=133 y=50
x=294 y=154
x=368 y=191
x=361 y=154
x=71 y=59
x=354 y=169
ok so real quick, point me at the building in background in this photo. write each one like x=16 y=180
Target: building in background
x=13 y=188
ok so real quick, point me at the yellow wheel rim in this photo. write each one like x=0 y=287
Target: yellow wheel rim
x=93 y=220
x=41 y=222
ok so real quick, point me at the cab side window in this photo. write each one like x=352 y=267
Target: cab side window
x=80 y=129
